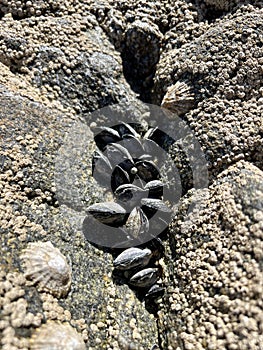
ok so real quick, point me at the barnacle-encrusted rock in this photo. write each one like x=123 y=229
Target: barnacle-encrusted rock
x=225 y=61
x=141 y=53
x=24 y=8
x=57 y=336
x=226 y=75
x=179 y=98
x=222 y=4
x=77 y=60
x=214 y=293
x=47 y=268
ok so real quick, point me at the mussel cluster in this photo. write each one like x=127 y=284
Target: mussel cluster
x=127 y=161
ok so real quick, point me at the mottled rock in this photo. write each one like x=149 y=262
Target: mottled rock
x=68 y=59
x=35 y=206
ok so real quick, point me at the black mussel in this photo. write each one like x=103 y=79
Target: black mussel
x=160 y=137
x=119 y=177
x=131 y=258
x=126 y=129
x=158 y=213
x=133 y=145
x=137 y=224
x=157 y=248
x=109 y=213
x=145 y=278
x=147 y=170
x=130 y=194
x=154 y=205
x=118 y=154
x=101 y=168
x=155 y=292
x=155 y=189
x=105 y=137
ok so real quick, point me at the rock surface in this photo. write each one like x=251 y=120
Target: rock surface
x=214 y=269
x=61 y=61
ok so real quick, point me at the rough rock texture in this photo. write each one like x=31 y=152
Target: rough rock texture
x=224 y=62
x=224 y=69
x=60 y=61
x=214 y=270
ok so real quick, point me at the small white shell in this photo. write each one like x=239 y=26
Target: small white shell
x=178 y=98
x=56 y=336
x=47 y=268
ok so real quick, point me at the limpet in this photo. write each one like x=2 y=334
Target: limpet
x=56 y=336
x=179 y=98
x=47 y=267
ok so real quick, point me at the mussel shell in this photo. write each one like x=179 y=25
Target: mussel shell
x=101 y=168
x=160 y=137
x=155 y=204
x=117 y=154
x=145 y=278
x=109 y=213
x=105 y=235
x=105 y=137
x=147 y=170
x=156 y=291
x=129 y=193
x=137 y=224
x=158 y=213
x=126 y=129
x=119 y=177
x=133 y=145
x=132 y=258
x=155 y=189
x=157 y=248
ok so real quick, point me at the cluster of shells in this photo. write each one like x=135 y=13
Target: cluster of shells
x=125 y=162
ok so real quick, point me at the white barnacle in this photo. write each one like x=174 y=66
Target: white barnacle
x=56 y=336
x=179 y=98
x=47 y=268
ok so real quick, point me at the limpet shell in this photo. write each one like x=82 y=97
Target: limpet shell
x=178 y=98
x=47 y=268
x=56 y=336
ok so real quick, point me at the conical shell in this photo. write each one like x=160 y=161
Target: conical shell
x=47 y=268
x=178 y=98
x=56 y=336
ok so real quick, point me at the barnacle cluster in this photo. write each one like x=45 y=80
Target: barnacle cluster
x=125 y=161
